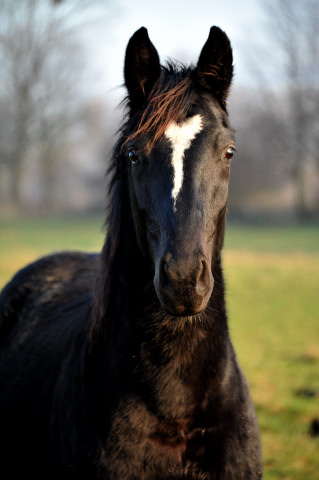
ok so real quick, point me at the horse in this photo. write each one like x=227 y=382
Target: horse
x=119 y=365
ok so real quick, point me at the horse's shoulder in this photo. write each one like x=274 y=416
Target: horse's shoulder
x=56 y=278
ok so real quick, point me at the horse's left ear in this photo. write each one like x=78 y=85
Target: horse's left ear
x=215 y=65
x=142 y=66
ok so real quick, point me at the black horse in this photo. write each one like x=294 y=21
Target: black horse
x=120 y=366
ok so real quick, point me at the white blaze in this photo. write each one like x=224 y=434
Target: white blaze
x=181 y=137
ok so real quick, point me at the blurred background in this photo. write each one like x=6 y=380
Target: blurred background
x=61 y=70
x=60 y=76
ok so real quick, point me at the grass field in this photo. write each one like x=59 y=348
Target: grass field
x=272 y=277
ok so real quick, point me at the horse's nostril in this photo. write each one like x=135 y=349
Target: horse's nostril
x=163 y=278
x=203 y=279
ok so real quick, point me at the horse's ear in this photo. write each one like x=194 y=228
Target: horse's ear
x=215 y=65
x=142 y=66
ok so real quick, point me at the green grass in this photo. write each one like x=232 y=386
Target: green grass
x=273 y=307
x=272 y=277
x=24 y=240
x=273 y=239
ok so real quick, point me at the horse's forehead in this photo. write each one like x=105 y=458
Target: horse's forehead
x=180 y=137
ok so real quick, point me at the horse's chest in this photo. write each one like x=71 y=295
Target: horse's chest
x=142 y=446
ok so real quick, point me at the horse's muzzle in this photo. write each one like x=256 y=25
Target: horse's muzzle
x=184 y=285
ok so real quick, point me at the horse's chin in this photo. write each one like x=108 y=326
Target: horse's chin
x=182 y=311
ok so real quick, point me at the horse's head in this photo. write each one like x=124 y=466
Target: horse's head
x=179 y=145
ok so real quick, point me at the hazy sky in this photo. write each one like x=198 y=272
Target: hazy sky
x=177 y=28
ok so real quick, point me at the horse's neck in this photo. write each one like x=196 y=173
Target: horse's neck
x=182 y=338
x=168 y=353
x=135 y=301
x=143 y=338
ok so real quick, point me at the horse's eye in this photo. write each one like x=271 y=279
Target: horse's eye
x=230 y=152
x=133 y=156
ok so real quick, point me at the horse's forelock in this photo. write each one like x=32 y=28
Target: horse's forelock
x=168 y=102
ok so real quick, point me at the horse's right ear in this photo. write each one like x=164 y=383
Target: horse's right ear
x=142 y=66
x=215 y=65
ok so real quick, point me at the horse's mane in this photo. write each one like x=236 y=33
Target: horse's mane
x=169 y=101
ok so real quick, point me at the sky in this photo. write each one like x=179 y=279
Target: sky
x=178 y=29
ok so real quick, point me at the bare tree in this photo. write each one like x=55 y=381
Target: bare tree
x=40 y=80
x=294 y=26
